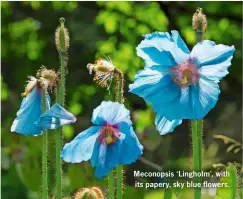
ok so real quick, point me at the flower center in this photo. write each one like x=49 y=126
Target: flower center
x=108 y=135
x=185 y=74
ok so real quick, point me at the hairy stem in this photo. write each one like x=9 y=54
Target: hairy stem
x=111 y=185
x=196 y=156
x=61 y=100
x=44 y=154
x=120 y=99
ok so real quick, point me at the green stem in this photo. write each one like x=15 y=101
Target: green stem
x=119 y=98
x=119 y=175
x=44 y=154
x=111 y=185
x=196 y=156
x=61 y=100
x=200 y=140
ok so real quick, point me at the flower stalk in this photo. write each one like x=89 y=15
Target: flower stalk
x=199 y=23
x=120 y=99
x=62 y=44
x=44 y=152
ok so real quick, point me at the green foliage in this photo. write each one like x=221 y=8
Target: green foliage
x=232 y=181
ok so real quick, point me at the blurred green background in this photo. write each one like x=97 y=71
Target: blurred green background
x=111 y=29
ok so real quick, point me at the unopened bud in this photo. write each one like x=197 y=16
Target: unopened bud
x=62 y=37
x=199 y=21
x=93 y=192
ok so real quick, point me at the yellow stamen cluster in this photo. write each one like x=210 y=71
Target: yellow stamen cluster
x=104 y=72
x=108 y=133
x=199 y=21
x=93 y=192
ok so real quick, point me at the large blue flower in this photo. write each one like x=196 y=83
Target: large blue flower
x=31 y=121
x=180 y=84
x=110 y=143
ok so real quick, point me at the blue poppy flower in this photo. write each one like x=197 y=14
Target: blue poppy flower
x=111 y=142
x=180 y=84
x=31 y=121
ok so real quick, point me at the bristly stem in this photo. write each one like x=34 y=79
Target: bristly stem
x=62 y=43
x=196 y=155
x=199 y=23
x=120 y=99
x=111 y=185
x=44 y=153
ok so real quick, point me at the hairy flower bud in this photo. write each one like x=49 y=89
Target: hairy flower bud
x=93 y=192
x=62 y=37
x=199 y=21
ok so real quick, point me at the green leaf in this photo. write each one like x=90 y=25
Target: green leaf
x=231 y=183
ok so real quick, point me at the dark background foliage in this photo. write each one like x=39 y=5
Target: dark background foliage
x=108 y=29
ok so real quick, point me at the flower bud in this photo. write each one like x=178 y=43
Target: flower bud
x=93 y=192
x=199 y=21
x=62 y=37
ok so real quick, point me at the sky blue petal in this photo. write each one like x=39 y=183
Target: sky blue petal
x=159 y=48
x=179 y=42
x=193 y=102
x=216 y=67
x=164 y=125
x=81 y=147
x=148 y=83
x=111 y=113
x=131 y=149
x=177 y=108
x=55 y=117
x=30 y=111
x=104 y=160
x=208 y=53
x=204 y=98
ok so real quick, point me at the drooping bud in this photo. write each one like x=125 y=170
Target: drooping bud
x=62 y=37
x=93 y=192
x=199 y=23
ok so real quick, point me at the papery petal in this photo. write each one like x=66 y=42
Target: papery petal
x=164 y=125
x=149 y=82
x=81 y=147
x=213 y=59
x=30 y=111
x=179 y=107
x=105 y=162
x=204 y=97
x=159 y=48
x=111 y=113
x=179 y=42
x=216 y=71
x=131 y=149
x=55 y=117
